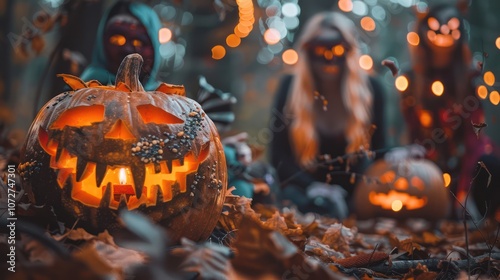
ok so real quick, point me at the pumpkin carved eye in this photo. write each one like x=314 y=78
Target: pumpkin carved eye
x=152 y=114
x=79 y=116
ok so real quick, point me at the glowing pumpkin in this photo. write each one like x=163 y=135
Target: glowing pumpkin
x=413 y=188
x=97 y=149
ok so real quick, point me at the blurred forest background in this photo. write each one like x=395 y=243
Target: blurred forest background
x=40 y=38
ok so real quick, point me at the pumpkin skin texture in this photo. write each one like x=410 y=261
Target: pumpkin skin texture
x=96 y=150
x=413 y=187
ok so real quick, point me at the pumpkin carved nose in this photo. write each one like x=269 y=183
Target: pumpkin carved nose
x=119 y=131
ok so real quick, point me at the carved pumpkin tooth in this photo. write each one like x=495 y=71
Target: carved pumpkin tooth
x=139 y=175
x=181 y=161
x=169 y=165
x=59 y=153
x=106 y=197
x=159 y=195
x=100 y=172
x=123 y=202
x=157 y=168
x=81 y=165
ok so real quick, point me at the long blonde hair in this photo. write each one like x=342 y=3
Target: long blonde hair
x=355 y=90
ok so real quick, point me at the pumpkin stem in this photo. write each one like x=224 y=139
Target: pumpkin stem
x=129 y=71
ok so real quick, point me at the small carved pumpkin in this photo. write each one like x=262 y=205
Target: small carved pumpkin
x=95 y=150
x=413 y=188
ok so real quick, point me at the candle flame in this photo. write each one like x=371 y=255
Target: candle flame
x=122 y=176
x=397 y=205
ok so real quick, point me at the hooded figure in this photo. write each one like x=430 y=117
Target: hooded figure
x=128 y=27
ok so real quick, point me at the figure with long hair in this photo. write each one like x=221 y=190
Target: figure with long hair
x=327 y=107
x=439 y=102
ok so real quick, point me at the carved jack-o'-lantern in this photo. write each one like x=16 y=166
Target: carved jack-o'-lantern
x=97 y=149
x=413 y=188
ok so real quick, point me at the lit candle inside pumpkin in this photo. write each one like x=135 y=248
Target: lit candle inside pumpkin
x=123 y=187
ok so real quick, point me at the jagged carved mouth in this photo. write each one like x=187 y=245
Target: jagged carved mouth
x=387 y=200
x=102 y=185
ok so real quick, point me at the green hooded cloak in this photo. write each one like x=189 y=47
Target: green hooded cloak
x=97 y=68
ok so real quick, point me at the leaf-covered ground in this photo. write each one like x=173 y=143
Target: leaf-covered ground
x=259 y=242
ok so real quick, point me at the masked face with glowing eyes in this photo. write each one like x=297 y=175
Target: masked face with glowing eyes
x=124 y=35
x=442 y=28
x=327 y=54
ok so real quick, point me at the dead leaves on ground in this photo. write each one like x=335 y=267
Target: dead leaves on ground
x=264 y=242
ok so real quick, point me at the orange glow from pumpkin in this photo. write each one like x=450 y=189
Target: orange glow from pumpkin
x=79 y=116
x=489 y=78
x=494 y=97
x=401 y=83
x=497 y=43
x=290 y=57
x=401 y=184
x=122 y=177
x=437 y=88
x=119 y=131
x=447 y=179
x=102 y=185
x=397 y=205
x=386 y=200
x=413 y=38
x=416 y=182
x=388 y=177
x=153 y=114
x=121 y=183
x=482 y=92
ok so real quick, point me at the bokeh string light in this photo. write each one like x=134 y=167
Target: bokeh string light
x=246 y=20
x=277 y=26
x=279 y=20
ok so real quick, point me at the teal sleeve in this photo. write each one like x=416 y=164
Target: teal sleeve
x=234 y=170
